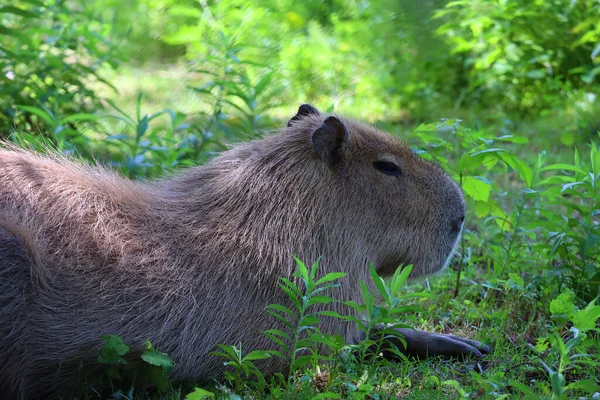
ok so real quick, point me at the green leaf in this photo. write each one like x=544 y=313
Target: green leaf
x=39 y=112
x=513 y=139
x=112 y=350
x=281 y=308
x=517 y=279
x=379 y=283
x=542 y=345
x=199 y=394
x=276 y=340
x=124 y=117
x=587 y=385
x=279 y=354
x=18 y=11
x=257 y=355
x=308 y=320
x=585 y=319
x=456 y=385
x=313 y=270
x=320 y=300
x=157 y=375
x=278 y=332
x=558 y=383
x=562 y=167
x=292 y=286
x=79 y=117
x=231 y=351
x=263 y=83
x=326 y=395
x=292 y=296
x=524 y=389
x=563 y=304
x=302 y=269
x=302 y=361
x=332 y=276
x=477 y=188
x=281 y=318
x=154 y=357
x=142 y=127
x=400 y=276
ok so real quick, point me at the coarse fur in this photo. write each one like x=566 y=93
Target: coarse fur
x=192 y=260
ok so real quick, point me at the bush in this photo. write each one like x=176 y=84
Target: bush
x=523 y=55
x=50 y=53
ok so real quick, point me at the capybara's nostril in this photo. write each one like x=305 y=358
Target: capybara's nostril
x=456 y=223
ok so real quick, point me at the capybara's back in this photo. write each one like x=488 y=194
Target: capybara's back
x=192 y=260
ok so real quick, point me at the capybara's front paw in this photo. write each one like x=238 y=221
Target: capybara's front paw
x=426 y=344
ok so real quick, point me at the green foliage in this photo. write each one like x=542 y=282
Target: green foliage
x=301 y=340
x=523 y=54
x=156 y=366
x=377 y=57
x=151 y=365
x=140 y=149
x=243 y=367
x=469 y=155
x=50 y=52
x=384 y=317
x=232 y=84
x=199 y=394
x=112 y=350
x=301 y=344
x=575 y=229
x=563 y=355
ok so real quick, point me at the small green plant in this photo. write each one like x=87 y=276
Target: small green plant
x=200 y=394
x=299 y=343
x=243 y=366
x=145 y=150
x=62 y=131
x=151 y=365
x=563 y=353
x=306 y=349
x=382 y=318
x=574 y=222
x=236 y=89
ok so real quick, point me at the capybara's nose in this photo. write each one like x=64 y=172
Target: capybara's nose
x=456 y=224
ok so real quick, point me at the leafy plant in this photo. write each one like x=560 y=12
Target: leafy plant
x=559 y=355
x=381 y=318
x=299 y=343
x=236 y=87
x=144 y=148
x=243 y=366
x=575 y=224
x=152 y=365
x=50 y=52
x=508 y=58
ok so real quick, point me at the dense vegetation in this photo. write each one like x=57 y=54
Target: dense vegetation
x=151 y=85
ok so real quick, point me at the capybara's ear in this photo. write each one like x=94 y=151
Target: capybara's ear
x=305 y=109
x=330 y=139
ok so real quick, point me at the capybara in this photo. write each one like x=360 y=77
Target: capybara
x=192 y=260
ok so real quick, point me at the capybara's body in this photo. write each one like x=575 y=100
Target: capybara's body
x=192 y=260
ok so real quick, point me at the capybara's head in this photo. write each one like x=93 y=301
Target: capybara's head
x=397 y=207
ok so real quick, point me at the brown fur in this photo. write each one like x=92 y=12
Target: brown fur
x=191 y=261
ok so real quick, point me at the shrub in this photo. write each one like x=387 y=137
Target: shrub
x=50 y=52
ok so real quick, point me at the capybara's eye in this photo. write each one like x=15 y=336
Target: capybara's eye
x=388 y=168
